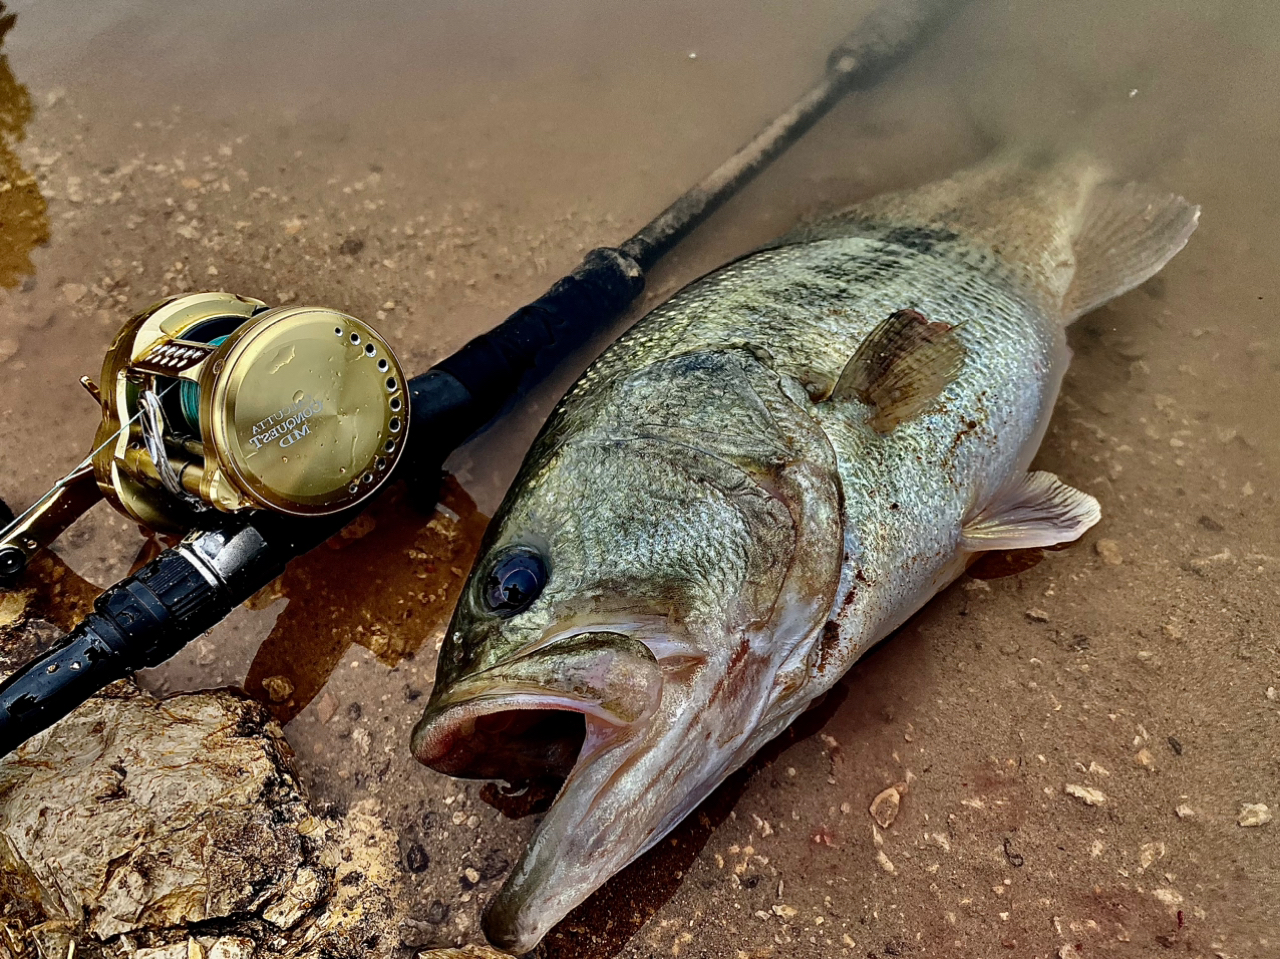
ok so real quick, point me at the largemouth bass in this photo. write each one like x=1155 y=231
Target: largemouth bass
x=764 y=477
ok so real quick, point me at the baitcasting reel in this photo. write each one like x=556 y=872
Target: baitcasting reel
x=213 y=403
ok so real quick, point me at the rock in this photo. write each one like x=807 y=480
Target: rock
x=1109 y=551
x=74 y=292
x=469 y=952
x=231 y=947
x=1086 y=794
x=1184 y=811
x=784 y=911
x=8 y=348
x=326 y=707
x=298 y=899
x=1145 y=759
x=278 y=688
x=1254 y=814
x=884 y=808
x=1037 y=616
x=884 y=862
x=138 y=820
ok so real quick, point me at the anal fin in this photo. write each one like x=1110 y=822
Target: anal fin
x=1035 y=509
x=1126 y=234
x=901 y=368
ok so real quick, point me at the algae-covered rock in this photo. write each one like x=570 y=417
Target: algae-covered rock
x=144 y=824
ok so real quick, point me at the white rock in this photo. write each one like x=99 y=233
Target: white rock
x=1086 y=794
x=884 y=808
x=1254 y=814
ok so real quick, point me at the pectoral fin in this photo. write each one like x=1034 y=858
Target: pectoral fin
x=901 y=368
x=1036 y=509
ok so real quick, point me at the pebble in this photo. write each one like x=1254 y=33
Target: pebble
x=1109 y=551
x=1184 y=811
x=1271 y=690
x=1086 y=794
x=1037 y=616
x=278 y=688
x=784 y=911
x=1145 y=759
x=8 y=347
x=74 y=292
x=884 y=808
x=885 y=862
x=1254 y=814
x=326 y=707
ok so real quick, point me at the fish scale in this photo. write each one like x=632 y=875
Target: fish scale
x=726 y=521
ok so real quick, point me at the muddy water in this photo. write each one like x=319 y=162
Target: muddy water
x=431 y=166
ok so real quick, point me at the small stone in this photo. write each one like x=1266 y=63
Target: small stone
x=1175 y=744
x=8 y=348
x=1271 y=690
x=884 y=808
x=1145 y=759
x=1254 y=814
x=1109 y=551
x=292 y=226
x=389 y=305
x=885 y=863
x=1184 y=811
x=784 y=911
x=436 y=913
x=1086 y=794
x=1037 y=616
x=351 y=246
x=278 y=688
x=74 y=292
x=494 y=864
x=212 y=271
x=416 y=858
x=472 y=874
x=326 y=707
x=190 y=183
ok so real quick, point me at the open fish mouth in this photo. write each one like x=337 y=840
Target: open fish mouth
x=536 y=716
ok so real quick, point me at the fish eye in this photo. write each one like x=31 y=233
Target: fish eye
x=514 y=580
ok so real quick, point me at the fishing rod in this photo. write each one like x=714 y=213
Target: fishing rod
x=259 y=433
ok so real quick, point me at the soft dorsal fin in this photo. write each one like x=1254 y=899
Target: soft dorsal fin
x=1127 y=232
x=1035 y=509
x=901 y=368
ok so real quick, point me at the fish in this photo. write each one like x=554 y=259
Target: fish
x=764 y=477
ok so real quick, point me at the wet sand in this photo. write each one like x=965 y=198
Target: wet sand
x=431 y=167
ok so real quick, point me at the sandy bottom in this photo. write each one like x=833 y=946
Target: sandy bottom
x=1077 y=739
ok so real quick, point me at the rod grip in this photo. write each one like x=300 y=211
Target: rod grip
x=139 y=622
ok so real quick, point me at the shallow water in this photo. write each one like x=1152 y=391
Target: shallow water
x=477 y=150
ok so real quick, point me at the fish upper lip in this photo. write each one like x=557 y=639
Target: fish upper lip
x=608 y=677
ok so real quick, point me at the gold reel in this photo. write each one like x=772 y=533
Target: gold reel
x=215 y=402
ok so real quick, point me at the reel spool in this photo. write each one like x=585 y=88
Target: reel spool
x=214 y=403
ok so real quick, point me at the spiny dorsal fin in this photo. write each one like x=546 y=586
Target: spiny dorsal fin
x=1035 y=509
x=902 y=367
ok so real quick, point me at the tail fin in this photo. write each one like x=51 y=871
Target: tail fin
x=1126 y=234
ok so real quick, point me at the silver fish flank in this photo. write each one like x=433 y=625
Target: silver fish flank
x=766 y=476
